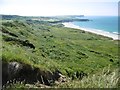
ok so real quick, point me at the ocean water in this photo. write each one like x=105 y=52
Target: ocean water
x=104 y=23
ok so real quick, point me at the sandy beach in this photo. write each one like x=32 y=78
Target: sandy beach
x=95 y=31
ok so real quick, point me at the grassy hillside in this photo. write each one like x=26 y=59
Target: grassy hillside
x=75 y=53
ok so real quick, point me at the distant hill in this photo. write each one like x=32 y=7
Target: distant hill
x=64 y=18
x=10 y=16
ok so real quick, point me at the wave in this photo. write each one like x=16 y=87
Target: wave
x=116 y=33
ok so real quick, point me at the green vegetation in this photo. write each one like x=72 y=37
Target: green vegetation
x=75 y=53
x=105 y=79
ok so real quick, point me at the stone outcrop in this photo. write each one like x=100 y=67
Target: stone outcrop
x=23 y=72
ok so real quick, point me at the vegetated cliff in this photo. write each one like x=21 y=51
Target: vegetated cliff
x=41 y=51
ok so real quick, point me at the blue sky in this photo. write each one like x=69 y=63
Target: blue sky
x=59 y=7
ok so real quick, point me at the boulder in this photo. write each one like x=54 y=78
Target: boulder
x=24 y=72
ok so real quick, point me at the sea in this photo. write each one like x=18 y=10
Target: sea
x=103 y=23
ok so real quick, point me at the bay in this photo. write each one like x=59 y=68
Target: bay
x=105 y=23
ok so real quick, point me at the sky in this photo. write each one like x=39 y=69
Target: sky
x=59 y=7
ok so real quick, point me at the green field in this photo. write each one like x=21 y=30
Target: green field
x=51 y=47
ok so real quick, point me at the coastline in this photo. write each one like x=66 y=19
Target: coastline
x=95 y=31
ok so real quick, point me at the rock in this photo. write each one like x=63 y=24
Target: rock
x=62 y=78
x=13 y=69
x=10 y=71
x=23 y=72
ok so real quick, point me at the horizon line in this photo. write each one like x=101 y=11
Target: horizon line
x=55 y=15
